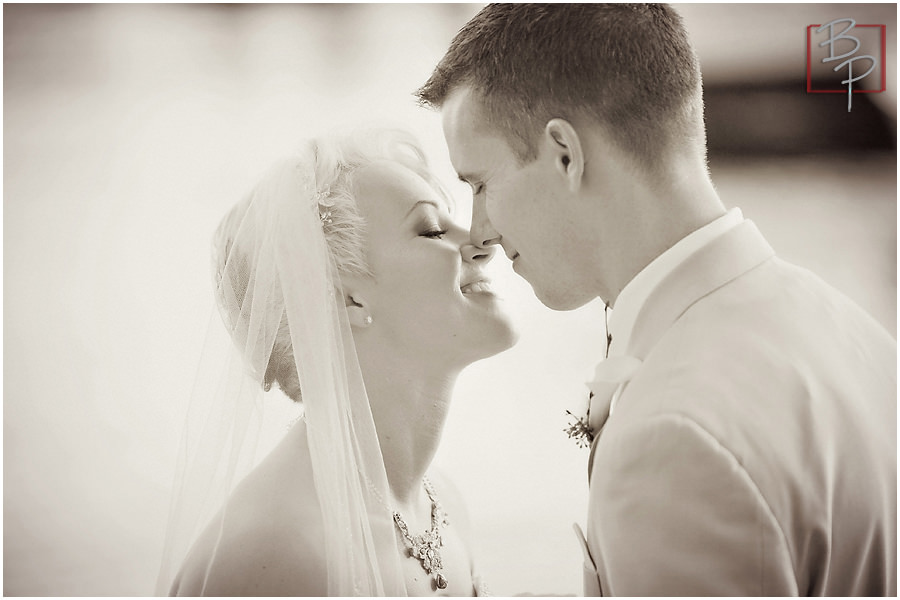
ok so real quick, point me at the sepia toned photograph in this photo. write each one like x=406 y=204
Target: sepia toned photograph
x=450 y=299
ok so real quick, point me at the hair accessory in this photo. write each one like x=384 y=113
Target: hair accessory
x=324 y=205
x=322 y=195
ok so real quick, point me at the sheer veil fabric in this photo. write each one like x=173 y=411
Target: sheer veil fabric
x=279 y=264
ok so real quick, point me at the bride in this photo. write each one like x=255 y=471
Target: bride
x=344 y=283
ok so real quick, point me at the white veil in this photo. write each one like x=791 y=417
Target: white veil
x=281 y=272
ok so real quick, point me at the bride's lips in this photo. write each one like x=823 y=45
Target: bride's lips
x=477 y=286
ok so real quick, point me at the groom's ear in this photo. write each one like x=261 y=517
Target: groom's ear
x=565 y=149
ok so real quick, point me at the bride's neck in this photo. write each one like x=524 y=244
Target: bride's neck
x=409 y=412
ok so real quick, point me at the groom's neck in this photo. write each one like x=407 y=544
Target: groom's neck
x=653 y=220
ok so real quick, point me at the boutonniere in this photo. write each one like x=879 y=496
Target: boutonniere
x=609 y=374
x=579 y=430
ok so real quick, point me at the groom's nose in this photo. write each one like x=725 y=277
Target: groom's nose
x=482 y=232
x=478 y=255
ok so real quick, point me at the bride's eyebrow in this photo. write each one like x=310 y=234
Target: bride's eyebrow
x=420 y=202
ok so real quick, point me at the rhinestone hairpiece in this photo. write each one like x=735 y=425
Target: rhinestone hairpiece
x=324 y=208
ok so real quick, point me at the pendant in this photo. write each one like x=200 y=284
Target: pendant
x=440 y=581
x=426 y=548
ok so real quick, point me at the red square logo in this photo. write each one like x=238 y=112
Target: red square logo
x=843 y=57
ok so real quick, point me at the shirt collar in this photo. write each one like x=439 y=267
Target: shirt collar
x=635 y=294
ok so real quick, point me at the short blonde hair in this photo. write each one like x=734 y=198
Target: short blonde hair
x=337 y=159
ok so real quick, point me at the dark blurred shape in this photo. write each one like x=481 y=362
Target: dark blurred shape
x=782 y=119
x=48 y=46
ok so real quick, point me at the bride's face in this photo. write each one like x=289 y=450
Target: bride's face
x=429 y=297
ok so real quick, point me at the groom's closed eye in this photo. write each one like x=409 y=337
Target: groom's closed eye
x=477 y=188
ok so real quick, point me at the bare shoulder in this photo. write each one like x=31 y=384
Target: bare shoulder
x=270 y=539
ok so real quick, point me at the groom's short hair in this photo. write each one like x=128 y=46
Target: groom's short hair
x=629 y=67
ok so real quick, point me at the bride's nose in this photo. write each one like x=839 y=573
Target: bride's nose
x=474 y=254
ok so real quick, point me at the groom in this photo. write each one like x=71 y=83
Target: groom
x=745 y=418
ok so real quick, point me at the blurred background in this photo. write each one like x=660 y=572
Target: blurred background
x=130 y=129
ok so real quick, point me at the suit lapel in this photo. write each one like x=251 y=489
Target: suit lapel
x=724 y=259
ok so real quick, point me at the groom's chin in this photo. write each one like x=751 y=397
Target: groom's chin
x=560 y=299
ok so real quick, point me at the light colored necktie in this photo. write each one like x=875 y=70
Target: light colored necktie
x=608 y=376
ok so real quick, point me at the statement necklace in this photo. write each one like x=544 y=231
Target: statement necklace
x=426 y=546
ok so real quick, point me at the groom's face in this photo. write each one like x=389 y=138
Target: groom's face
x=515 y=205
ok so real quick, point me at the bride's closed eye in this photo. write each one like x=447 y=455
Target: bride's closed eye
x=429 y=224
x=434 y=232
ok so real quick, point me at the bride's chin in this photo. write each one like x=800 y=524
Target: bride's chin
x=499 y=336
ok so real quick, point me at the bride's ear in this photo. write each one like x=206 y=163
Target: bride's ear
x=358 y=310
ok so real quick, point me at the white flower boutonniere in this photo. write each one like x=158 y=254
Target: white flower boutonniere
x=608 y=376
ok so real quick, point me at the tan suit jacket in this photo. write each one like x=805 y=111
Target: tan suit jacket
x=754 y=452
